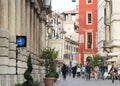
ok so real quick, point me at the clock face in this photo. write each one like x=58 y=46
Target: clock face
x=21 y=41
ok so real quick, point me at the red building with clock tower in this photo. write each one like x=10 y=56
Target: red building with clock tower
x=87 y=29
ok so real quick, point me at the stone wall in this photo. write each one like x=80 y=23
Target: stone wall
x=20 y=17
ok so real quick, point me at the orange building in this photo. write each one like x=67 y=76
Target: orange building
x=87 y=29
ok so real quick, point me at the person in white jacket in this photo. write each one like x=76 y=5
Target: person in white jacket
x=78 y=71
x=119 y=73
x=96 y=70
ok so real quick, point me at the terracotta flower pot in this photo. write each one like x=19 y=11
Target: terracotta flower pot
x=49 y=81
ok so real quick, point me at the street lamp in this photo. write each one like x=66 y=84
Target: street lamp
x=47 y=3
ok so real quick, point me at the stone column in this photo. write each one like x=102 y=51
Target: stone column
x=42 y=30
x=38 y=34
x=23 y=27
x=18 y=17
x=28 y=24
x=34 y=39
x=22 y=51
x=23 y=17
x=31 y=25
x=38 y=42
x=19 y=26
x=4 y=43
x=42 y=33
x=12 y=41
x=42 y=38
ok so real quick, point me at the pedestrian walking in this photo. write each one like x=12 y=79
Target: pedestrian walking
x=96 y=70
x=83 y=71
x=64 y=71
x=58 y=70
x=74 y=69
x=70 y=70
x=88 y=71
x=119 y=73
x=78 y=71
x=102 y=71
x=113 y=73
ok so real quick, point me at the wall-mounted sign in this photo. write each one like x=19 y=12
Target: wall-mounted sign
x=21 y=41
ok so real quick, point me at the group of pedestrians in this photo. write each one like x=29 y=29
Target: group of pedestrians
x=65 y=70
x=99 y=72
x=85 y=72
x=75 y=71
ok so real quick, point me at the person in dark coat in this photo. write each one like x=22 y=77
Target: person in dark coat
x=113 y=72
x=74 y=69
x=102 y=71
x=64 y=71
x=88 y=71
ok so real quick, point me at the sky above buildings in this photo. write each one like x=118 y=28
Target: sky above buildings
x=63 y=5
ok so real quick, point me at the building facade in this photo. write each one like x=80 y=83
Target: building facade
x=101 y=28
x=87 y=28
x=64 y=34
x=21 y=18
x=71 y=36
x=112 y=22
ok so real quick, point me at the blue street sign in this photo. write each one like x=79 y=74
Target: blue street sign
x=21 y=41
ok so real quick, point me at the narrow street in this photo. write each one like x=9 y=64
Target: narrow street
x=81 y=82
x=41 y=38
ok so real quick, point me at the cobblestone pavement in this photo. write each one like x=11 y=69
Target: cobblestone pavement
x=81 y=82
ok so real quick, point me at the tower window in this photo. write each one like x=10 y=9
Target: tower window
x=89 y=1
x=89 y=40
x=89 y=18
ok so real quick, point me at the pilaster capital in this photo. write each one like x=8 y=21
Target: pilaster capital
x=32 y=3
x=43 y=15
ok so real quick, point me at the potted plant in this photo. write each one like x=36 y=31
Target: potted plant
x=49 y=56
x=27 y=74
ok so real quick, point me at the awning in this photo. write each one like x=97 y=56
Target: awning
x=59 y=59
x=114 y=54
x=112 y=59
